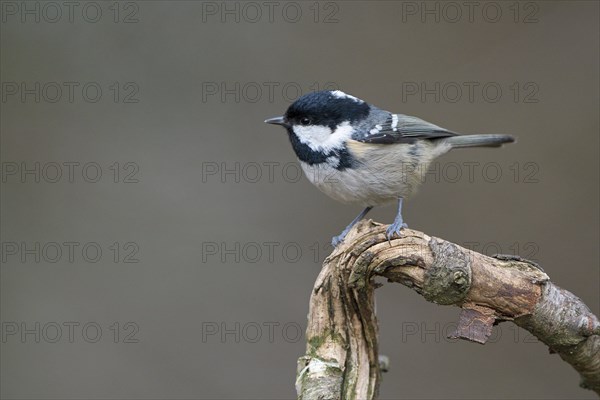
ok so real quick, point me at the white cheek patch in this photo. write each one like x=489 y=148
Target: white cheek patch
x=312 y=134
x=321 y=138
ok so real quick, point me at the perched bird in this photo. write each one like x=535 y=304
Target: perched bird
x=357 y=153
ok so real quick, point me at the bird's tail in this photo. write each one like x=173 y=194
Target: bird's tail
x=478 y=140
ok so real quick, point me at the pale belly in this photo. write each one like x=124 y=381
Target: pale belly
x=381 y=176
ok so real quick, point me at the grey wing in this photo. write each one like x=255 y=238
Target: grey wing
x=399 y=128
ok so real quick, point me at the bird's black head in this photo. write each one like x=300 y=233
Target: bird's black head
x=326 y=108
x=320 y=123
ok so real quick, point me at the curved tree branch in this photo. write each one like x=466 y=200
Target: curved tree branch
x=342 y=361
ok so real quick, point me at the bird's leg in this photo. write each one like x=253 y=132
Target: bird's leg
x=398 y=223
x=338 y=239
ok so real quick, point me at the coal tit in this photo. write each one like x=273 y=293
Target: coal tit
x=357 y=153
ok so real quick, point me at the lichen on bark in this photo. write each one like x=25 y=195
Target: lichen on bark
x=342 y=360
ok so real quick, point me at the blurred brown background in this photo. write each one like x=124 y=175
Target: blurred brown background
x=184 y=270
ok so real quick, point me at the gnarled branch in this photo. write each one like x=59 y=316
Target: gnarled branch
x=342 y=361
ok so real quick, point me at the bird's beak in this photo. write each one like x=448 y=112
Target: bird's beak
x=277 y=121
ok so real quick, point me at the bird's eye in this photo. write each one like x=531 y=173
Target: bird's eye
x=305 y=121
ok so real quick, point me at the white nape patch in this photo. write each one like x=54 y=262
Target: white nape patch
x=341 y=95
x=394 y=122
x=321 y=138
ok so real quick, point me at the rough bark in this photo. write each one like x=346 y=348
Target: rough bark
x=341 y=360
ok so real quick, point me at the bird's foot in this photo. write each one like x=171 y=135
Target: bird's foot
x=394 y=229
x=338 y=239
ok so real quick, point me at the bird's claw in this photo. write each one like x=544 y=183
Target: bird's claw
x=394 y=229
x=337 y=240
